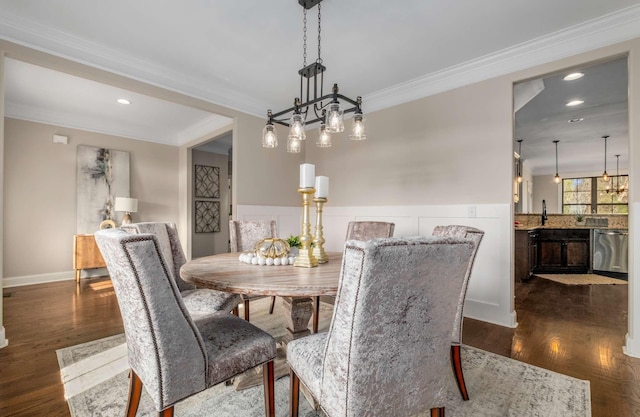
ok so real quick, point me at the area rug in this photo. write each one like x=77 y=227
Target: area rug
x=96 y=384
x=582 y=279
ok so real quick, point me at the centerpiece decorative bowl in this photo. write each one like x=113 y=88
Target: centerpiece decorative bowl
x=271 y=248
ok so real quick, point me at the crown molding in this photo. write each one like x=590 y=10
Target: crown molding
x=606 y=30
x=206 y=126
x=86 y=123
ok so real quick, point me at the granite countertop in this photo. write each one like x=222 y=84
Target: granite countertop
x=527 y=228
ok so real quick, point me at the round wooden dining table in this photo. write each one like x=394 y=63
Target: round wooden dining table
x=295 y=285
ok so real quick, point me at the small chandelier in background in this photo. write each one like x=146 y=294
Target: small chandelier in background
x=519 y=173
x=605 y=176
x=557 y=178
x=325 y=108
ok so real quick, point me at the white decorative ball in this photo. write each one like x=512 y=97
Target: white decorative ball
x=284 y=260
x=269 y=261
x=254 y=261
x=241 y=257
x=276 y=261
x=261 y=260
x=292 y=259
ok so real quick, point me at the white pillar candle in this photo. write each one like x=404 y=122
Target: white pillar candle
x=307 y=175
x=322 y=187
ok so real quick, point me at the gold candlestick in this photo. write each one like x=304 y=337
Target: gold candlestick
x=318 y=240
x=305 y=256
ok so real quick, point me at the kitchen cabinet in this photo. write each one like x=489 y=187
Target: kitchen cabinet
x=551 y=251
x=562 y=251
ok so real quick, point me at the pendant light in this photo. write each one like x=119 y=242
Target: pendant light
x=605 y=176
x=519 y=177
x=618 y=189
x=556 y=179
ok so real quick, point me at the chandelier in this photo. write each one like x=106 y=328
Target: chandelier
x=328 y=109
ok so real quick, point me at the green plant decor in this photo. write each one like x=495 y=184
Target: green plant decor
x=294 y=241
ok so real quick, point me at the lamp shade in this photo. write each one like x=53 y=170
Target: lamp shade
x=126 y=204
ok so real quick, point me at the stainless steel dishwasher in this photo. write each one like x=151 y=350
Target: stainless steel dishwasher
x=611 y=252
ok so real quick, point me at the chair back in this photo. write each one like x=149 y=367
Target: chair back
x=170 y=246
x=476 y=236
x=165 y=348
x=369 y=230
x=244 y=235
x=388 y=347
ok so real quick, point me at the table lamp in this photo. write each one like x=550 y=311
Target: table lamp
x=128 y=205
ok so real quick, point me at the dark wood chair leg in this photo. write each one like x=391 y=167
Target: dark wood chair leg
x=269 y=389
x=273 y=304
x=135 y=391
x=294 y=393
x=167 y=412
x=437 y=412
x=456 y=363
x=316 y=313
x=235 y=311
x=246 y=310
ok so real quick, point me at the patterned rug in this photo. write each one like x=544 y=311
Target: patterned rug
x=96 y=384
x=582 y=279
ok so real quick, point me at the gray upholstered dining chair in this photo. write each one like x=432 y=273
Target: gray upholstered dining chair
x=199 y=301
x=387 y=349
x=243 y=235
x=172 y=354
x=476 y=236
x=357 y=230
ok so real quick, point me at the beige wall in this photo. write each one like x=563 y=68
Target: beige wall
x=451 y=148
x=40 y=192
x=204 y=244
x=545 y=189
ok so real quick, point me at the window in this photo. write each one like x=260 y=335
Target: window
x=593 y=195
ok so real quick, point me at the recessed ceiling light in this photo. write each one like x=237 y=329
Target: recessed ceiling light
x=575 y=103
x=123 y=101
x=576 y=120
x=573 y=76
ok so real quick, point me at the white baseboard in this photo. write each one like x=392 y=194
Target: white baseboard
x=631 y=347
x=3 y=342
x=9 y=282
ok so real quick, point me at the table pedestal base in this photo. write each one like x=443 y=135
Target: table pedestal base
x=298 y=312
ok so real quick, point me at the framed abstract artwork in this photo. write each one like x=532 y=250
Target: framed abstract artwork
x=102 y=175
x=207 y=216
x=207 y=181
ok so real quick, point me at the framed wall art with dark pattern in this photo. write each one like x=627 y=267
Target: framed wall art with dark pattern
x=207 y=216
x=207 y=181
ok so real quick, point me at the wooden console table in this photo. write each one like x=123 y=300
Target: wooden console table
x=86 y=254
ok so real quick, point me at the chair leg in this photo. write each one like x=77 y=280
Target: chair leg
x=273 y=304
x=269 y=389
x=294 y=393
x=235 y=311
x=316 y=313
x=167 y=412
x=456 y=363
x=437 y=412
x=246 y=310
x=135 y=391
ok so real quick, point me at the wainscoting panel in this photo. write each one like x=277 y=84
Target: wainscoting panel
x=490 y=295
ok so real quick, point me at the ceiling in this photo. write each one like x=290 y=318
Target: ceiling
x=245 y=54
x=545 y=118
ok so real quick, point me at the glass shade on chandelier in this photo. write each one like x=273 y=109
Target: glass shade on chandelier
x=296 y=130
x=335 y=119
x=324 y=137
x=269 y=136
x=557 y=179
x=357 y=129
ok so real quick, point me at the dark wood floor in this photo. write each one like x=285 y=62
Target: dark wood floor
x=575 y=330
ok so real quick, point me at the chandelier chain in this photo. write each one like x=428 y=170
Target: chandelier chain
x=319 y=60
x=304 y=39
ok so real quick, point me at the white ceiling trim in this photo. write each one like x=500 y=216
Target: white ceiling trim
x=603 y=31
x=211 y=124
x=84 y=122
x=609 y=29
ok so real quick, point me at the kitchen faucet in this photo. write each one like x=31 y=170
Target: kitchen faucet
x=544 y=212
